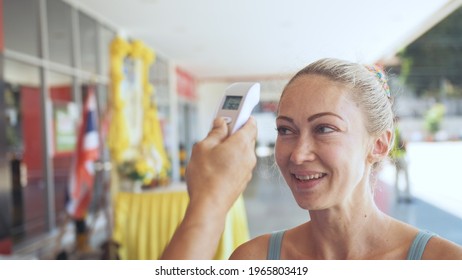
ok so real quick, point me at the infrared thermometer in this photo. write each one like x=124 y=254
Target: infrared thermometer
x=237 y=104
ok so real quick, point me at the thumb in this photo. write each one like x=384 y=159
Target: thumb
x=249 y=129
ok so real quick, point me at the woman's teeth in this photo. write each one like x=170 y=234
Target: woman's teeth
x=309 y=177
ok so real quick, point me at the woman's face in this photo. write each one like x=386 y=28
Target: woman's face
x=322 y=143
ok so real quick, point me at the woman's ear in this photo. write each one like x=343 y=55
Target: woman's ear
x=381 y=146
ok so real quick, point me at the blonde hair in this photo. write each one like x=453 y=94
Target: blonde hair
x=368 y=91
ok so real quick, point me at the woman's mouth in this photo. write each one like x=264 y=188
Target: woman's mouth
x=307 y=182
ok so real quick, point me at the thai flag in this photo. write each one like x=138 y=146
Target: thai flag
x=86 y=153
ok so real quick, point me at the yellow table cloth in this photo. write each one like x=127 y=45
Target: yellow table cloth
x=145 y=222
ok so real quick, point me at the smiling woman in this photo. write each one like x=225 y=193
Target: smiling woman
x=335 y=124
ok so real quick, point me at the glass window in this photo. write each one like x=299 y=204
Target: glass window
x=102 y=96
x=65 y=117
x=59 y=21
x=24 y=148
x=107 y=36
x=21 y=22
x=88 y=43
x=158 y=76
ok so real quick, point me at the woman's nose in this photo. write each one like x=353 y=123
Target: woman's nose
x=302 y=152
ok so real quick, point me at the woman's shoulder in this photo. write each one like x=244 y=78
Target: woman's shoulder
x=408 y=241
x=439 y=248
x=254 y=249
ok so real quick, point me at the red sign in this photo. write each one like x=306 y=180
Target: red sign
x=186 y=85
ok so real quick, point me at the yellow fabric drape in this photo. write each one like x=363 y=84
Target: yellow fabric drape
x=145 y=222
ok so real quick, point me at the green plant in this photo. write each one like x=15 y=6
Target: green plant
x=434 y=117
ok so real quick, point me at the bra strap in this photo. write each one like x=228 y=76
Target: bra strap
x=418 y=245
x=274 y=246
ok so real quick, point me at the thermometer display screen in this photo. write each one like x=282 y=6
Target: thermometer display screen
x=232 y=102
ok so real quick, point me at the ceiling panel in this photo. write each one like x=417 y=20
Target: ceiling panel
x=214 y=39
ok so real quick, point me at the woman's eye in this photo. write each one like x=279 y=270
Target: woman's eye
x=324 y=129
x=283 y=131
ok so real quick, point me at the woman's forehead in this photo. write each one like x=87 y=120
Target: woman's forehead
x=309 y=96
x=314 y=89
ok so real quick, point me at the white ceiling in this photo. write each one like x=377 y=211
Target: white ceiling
x=214 y=39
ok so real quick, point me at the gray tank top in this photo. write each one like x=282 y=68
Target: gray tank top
x=415 y=251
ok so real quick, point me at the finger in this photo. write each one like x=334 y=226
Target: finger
x=218 y=133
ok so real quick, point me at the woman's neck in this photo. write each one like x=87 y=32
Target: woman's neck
x=347 y=231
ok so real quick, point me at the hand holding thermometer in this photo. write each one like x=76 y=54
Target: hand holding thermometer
x=237 y=104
